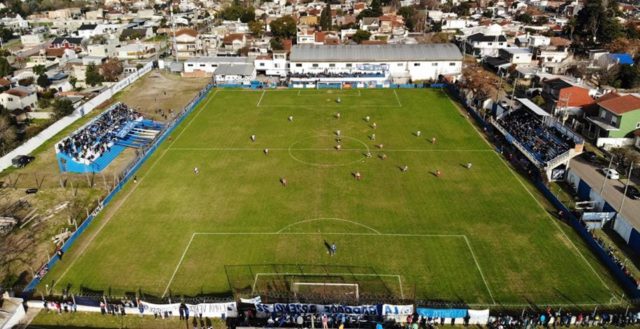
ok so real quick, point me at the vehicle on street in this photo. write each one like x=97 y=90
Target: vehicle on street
x=611 y=173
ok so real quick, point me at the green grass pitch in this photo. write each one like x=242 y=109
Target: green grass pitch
x=473 y=235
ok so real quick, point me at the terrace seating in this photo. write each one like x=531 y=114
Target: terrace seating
x=544 y=142
x=374 y=74
x=90 y=142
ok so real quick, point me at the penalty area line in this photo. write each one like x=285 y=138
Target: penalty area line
x=184 y=253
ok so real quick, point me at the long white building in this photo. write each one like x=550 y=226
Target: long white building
x=373 y=63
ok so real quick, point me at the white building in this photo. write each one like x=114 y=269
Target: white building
x=208 y=65
x=18 y=98
x=481 y=45
x=31 y=40
x=234 y=74
x=374 y=63
x=272 y=65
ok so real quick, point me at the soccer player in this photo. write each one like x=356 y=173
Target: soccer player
x=283 y=181
x=338 y=115
x=374 y=125
x=196 y=171
x=333 y=249
x=266 y=151
x=433 y=140
x=357 y=175
x=438 y=173
x=469 y=165
x=418 y=133
x=338 y=132
x=405 y=168
x=338 y=147
x=253 y=138
x=291 y=118
x=367 y=118
x=373 y=137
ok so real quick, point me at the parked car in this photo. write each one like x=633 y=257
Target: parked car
x=633 y=192
x=32 y=190
x=590 y=156
x=611 y=173
x=22 y=160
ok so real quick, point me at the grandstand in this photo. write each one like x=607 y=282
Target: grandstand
x=539 y=136
x=92 y=147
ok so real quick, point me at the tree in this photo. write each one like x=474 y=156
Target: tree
x=39 y=69
x=276 y=44
x=360 y=36
x=325 y=18
x=73 y=80
x=283 y=27
x=408 y=13
x=92 y=76
x=62 y=107
x=629 y=76
x=237 y=11
x=376 y=7
x=5 y=67
x=596 y=24
x=524 y=18
x=7 y=134
x=43 y=81
x=256 y=28
x=112 y=69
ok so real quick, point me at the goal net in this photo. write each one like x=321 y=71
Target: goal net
x=340 y=290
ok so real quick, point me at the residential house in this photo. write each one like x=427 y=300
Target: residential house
x=235 y=41
x=562 y=96
x=481 y=45
x=617 y=121
x=19 y=98
x=105 y=49
x=86 y=31
x=186 y=43
x=67 y=43
x=137 y=33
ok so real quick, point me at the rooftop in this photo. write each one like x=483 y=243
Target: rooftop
x=375 y=53
x=234 y=69
x=621 y=105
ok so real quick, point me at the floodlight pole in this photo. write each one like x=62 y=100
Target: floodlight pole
x=626 y=187
x=605 y=175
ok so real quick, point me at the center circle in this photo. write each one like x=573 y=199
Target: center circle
x=321 y=151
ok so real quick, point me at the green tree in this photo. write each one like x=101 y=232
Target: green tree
x=596 y=24
x=39 y=69
x=409 y=15
x=524 y=18
x=276 y=44
x=5 y=67
x=92 y=76
x=283 y=27
x=73 y=80
x=62 y=107
x=43 y=81
x=361 y=35
x=325 y=18
x=237 y=11
x=256 y=28
x=629 y=76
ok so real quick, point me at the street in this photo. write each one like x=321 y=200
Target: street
x=613 y=190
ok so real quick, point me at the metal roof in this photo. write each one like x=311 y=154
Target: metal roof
x=237 y=69
x=374 y=53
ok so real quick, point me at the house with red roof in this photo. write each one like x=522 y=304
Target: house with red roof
x=618 y=120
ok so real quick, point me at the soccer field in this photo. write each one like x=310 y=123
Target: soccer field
x=470 y=235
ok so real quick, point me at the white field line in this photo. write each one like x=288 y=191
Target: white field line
x=553 y=220
x=473 y=254
x=397 y=98
x=179 y=264
x=255 y=280
x=261 y=96
x=119 y=204
x=321 y=149
x=377 y=233
x=316 y=93
x=328 y=218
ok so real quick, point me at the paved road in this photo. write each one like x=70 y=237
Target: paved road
x=613 y=190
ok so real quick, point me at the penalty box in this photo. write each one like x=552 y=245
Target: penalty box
x=402 y=265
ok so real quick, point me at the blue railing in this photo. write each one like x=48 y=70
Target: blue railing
x=127 y=175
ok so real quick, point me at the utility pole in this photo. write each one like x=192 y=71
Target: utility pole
x=626 y=187
x=174 y=50
x=605 y=176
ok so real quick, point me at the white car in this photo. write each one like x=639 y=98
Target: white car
x=611 y=173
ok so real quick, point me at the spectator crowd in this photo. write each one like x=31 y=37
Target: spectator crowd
x=544 y=142
x=90 y=142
